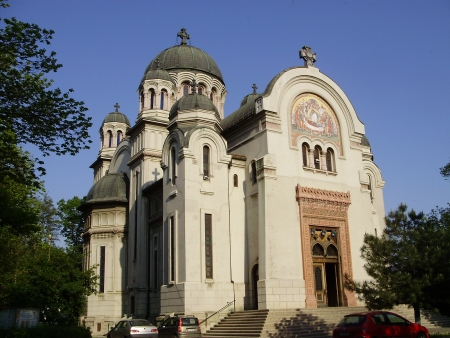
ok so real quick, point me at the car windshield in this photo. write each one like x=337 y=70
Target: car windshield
x=189 y=321
x=140 y=323
x=352 y=320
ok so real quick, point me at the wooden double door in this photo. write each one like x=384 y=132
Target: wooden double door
x=327 y=282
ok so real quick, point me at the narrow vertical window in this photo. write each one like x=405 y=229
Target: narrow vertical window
x=330 y=159
x=205 y=163
x=317 y=157
x=102 y=270
x=172 y=249
x=200 y=90
x=208 y=246
x=235 y=180
x=132 y=302
x=185 y=90
x=370 y=188
x=162 y=101
x=172 y=165
x=152 y=99
x=305 y=152
x=253 y=172
x=119 y=137
x=155 y=262
x=110 y=138
x=142 y=100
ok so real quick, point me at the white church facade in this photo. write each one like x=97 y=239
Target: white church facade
x=265 y=208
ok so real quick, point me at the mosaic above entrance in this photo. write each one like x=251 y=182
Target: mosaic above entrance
x=312 y=116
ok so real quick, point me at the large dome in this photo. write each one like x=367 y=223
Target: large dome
x=184 y=57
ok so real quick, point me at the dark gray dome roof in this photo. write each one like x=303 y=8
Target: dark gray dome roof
x=246 y=109
x=110 y=188
x=117 y=117
x=191 y=102
x=184 y=57
x=365 y=141
x=157 y=74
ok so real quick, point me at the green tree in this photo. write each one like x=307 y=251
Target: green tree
x=402 y=262
x=445 y=170
x=30 y=106
x=48 y=278
x=48 y=217
x=72 y=220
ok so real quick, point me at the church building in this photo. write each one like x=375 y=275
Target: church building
x=192 y=211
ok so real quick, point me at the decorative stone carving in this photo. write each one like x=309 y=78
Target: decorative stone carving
x=324 y=208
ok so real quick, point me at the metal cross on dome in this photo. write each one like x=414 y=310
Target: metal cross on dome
x=158 y=63
x=194 y=86
x=307 y=55
x=117 y=107
x=254 y=88
x=184 y=36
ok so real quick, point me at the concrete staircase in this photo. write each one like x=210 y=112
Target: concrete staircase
x=305 y=323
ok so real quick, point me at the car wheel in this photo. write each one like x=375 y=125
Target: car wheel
x=421 y=335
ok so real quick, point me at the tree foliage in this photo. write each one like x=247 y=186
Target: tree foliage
x=30 y=106
x=405 y=263
x=48 y=278
x=72 y=220
x=445 y=170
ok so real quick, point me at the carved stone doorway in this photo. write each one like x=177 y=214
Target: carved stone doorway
x=325 y=246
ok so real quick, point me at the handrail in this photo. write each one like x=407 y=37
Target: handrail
x=228 y=304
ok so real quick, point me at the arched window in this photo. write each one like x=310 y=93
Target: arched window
x=318 y=278
x=235 y=180
x=110 y=138
x=332 y=251
x=142 y=100
x=317 y=250
x=205 y=162
x=212 y=96
x=305 y=152
x=370 y=187
x=119 y=137
x=330 y=160
x=185 y=89
x=173 y=158
x=200 y=90
x=254 y=172
x=152 y=99
x=163 y=98
x=317 y=152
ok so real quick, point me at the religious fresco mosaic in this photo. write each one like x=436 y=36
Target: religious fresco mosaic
x=312 y=116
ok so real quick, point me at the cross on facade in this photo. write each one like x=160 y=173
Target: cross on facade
x=156 y=173
x=184 y=36
x=254 y=88
x=307 y=55
x=194 y=86
x=117 y=107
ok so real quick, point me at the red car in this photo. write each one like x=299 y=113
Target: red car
x=378 y=324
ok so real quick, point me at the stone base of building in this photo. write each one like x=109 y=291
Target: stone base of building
x=281 y=294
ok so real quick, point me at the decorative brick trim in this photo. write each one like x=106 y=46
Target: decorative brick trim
x=329 y=209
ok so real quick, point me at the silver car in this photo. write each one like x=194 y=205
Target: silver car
x=133 y=328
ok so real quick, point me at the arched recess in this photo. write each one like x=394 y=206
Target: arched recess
x=370 y=168
x=197 y=137
x=173 y=138
x=120 y=158
x=294 y=81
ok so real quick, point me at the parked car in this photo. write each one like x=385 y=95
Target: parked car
x=378 y=324
x=133 y=328
x=180 y=327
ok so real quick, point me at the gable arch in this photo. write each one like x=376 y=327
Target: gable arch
x=197 y=137
x=172 y=139
x=371 y=169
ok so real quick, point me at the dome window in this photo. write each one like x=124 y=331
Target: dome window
x=185 y=89
x=119 y=137
x=110 y=139
x=142 y=100
x=152 y=99
x=163 y=100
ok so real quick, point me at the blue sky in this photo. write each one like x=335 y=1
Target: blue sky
x=391 y=58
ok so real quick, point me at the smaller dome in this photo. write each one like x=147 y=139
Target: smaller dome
x=193 y=101
x=110 y=188
x=157 y=74
x=365 y=141
x=117 y=117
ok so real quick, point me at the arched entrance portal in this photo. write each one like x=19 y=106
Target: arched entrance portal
x=255 y=279
x=327 y=276
x=325 y=246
